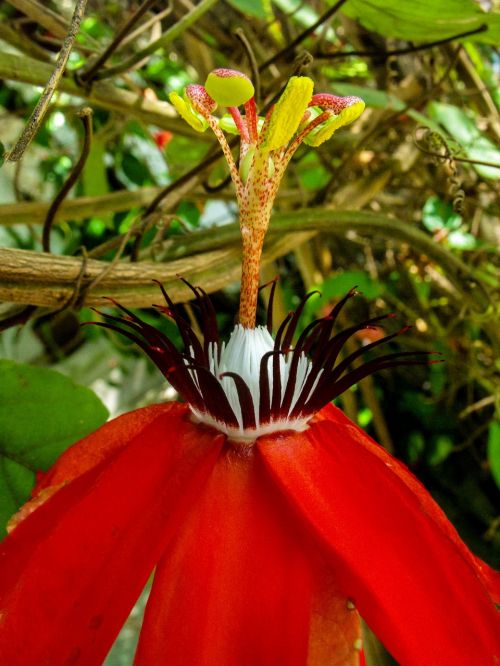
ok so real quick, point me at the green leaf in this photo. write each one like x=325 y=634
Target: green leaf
x=485 y=70
x=424 y=120
x=437 y=379
x=465 y=131
x=494 y=450
x=257 y=8
x=94 y=178
x=416 y=447
x=312 y=173
x=339 y=285
x=441 y=449
x=365 y=417
x=41 y=413
x=303 y=14
x=437 y=214
x=426 y=20
x=461 y=240
x=16 y=482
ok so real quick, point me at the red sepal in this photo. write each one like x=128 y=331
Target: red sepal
x=239 y=585
x=71 y=571
x=94 y=449
x=409 y=574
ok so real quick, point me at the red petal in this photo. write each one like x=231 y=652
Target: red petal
x=335 y=631
x=100 y=445
x=411 y=577
x=237 y=588
x=86 y=454
x=71 y=571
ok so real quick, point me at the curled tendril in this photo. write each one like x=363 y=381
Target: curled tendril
x=443 y=152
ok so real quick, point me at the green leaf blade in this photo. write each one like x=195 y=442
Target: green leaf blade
x=41 y=414
x=494 y=450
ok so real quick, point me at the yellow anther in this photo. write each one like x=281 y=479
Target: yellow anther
x=326 y=129
x=185 y=110
x=288 y=112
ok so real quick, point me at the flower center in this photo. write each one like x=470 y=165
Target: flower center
x=249 y=370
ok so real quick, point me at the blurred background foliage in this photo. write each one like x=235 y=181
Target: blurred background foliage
x=403 y=204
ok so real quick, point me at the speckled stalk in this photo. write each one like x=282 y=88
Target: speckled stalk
x=256 y=203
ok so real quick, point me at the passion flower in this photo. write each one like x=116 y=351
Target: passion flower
x=272 y=521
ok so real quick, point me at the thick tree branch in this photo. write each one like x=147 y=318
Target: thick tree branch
x=80 y=208
x=44 y=16
x=339 y=223
x=104 y=95
x=42 y=279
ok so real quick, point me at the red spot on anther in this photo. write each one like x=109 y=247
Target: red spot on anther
x=200 y=99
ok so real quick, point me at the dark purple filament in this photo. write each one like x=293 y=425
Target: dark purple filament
x=329 y=376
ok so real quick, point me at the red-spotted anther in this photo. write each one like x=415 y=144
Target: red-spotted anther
x=339 y=111
x=334 y=102
x=200 y=99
